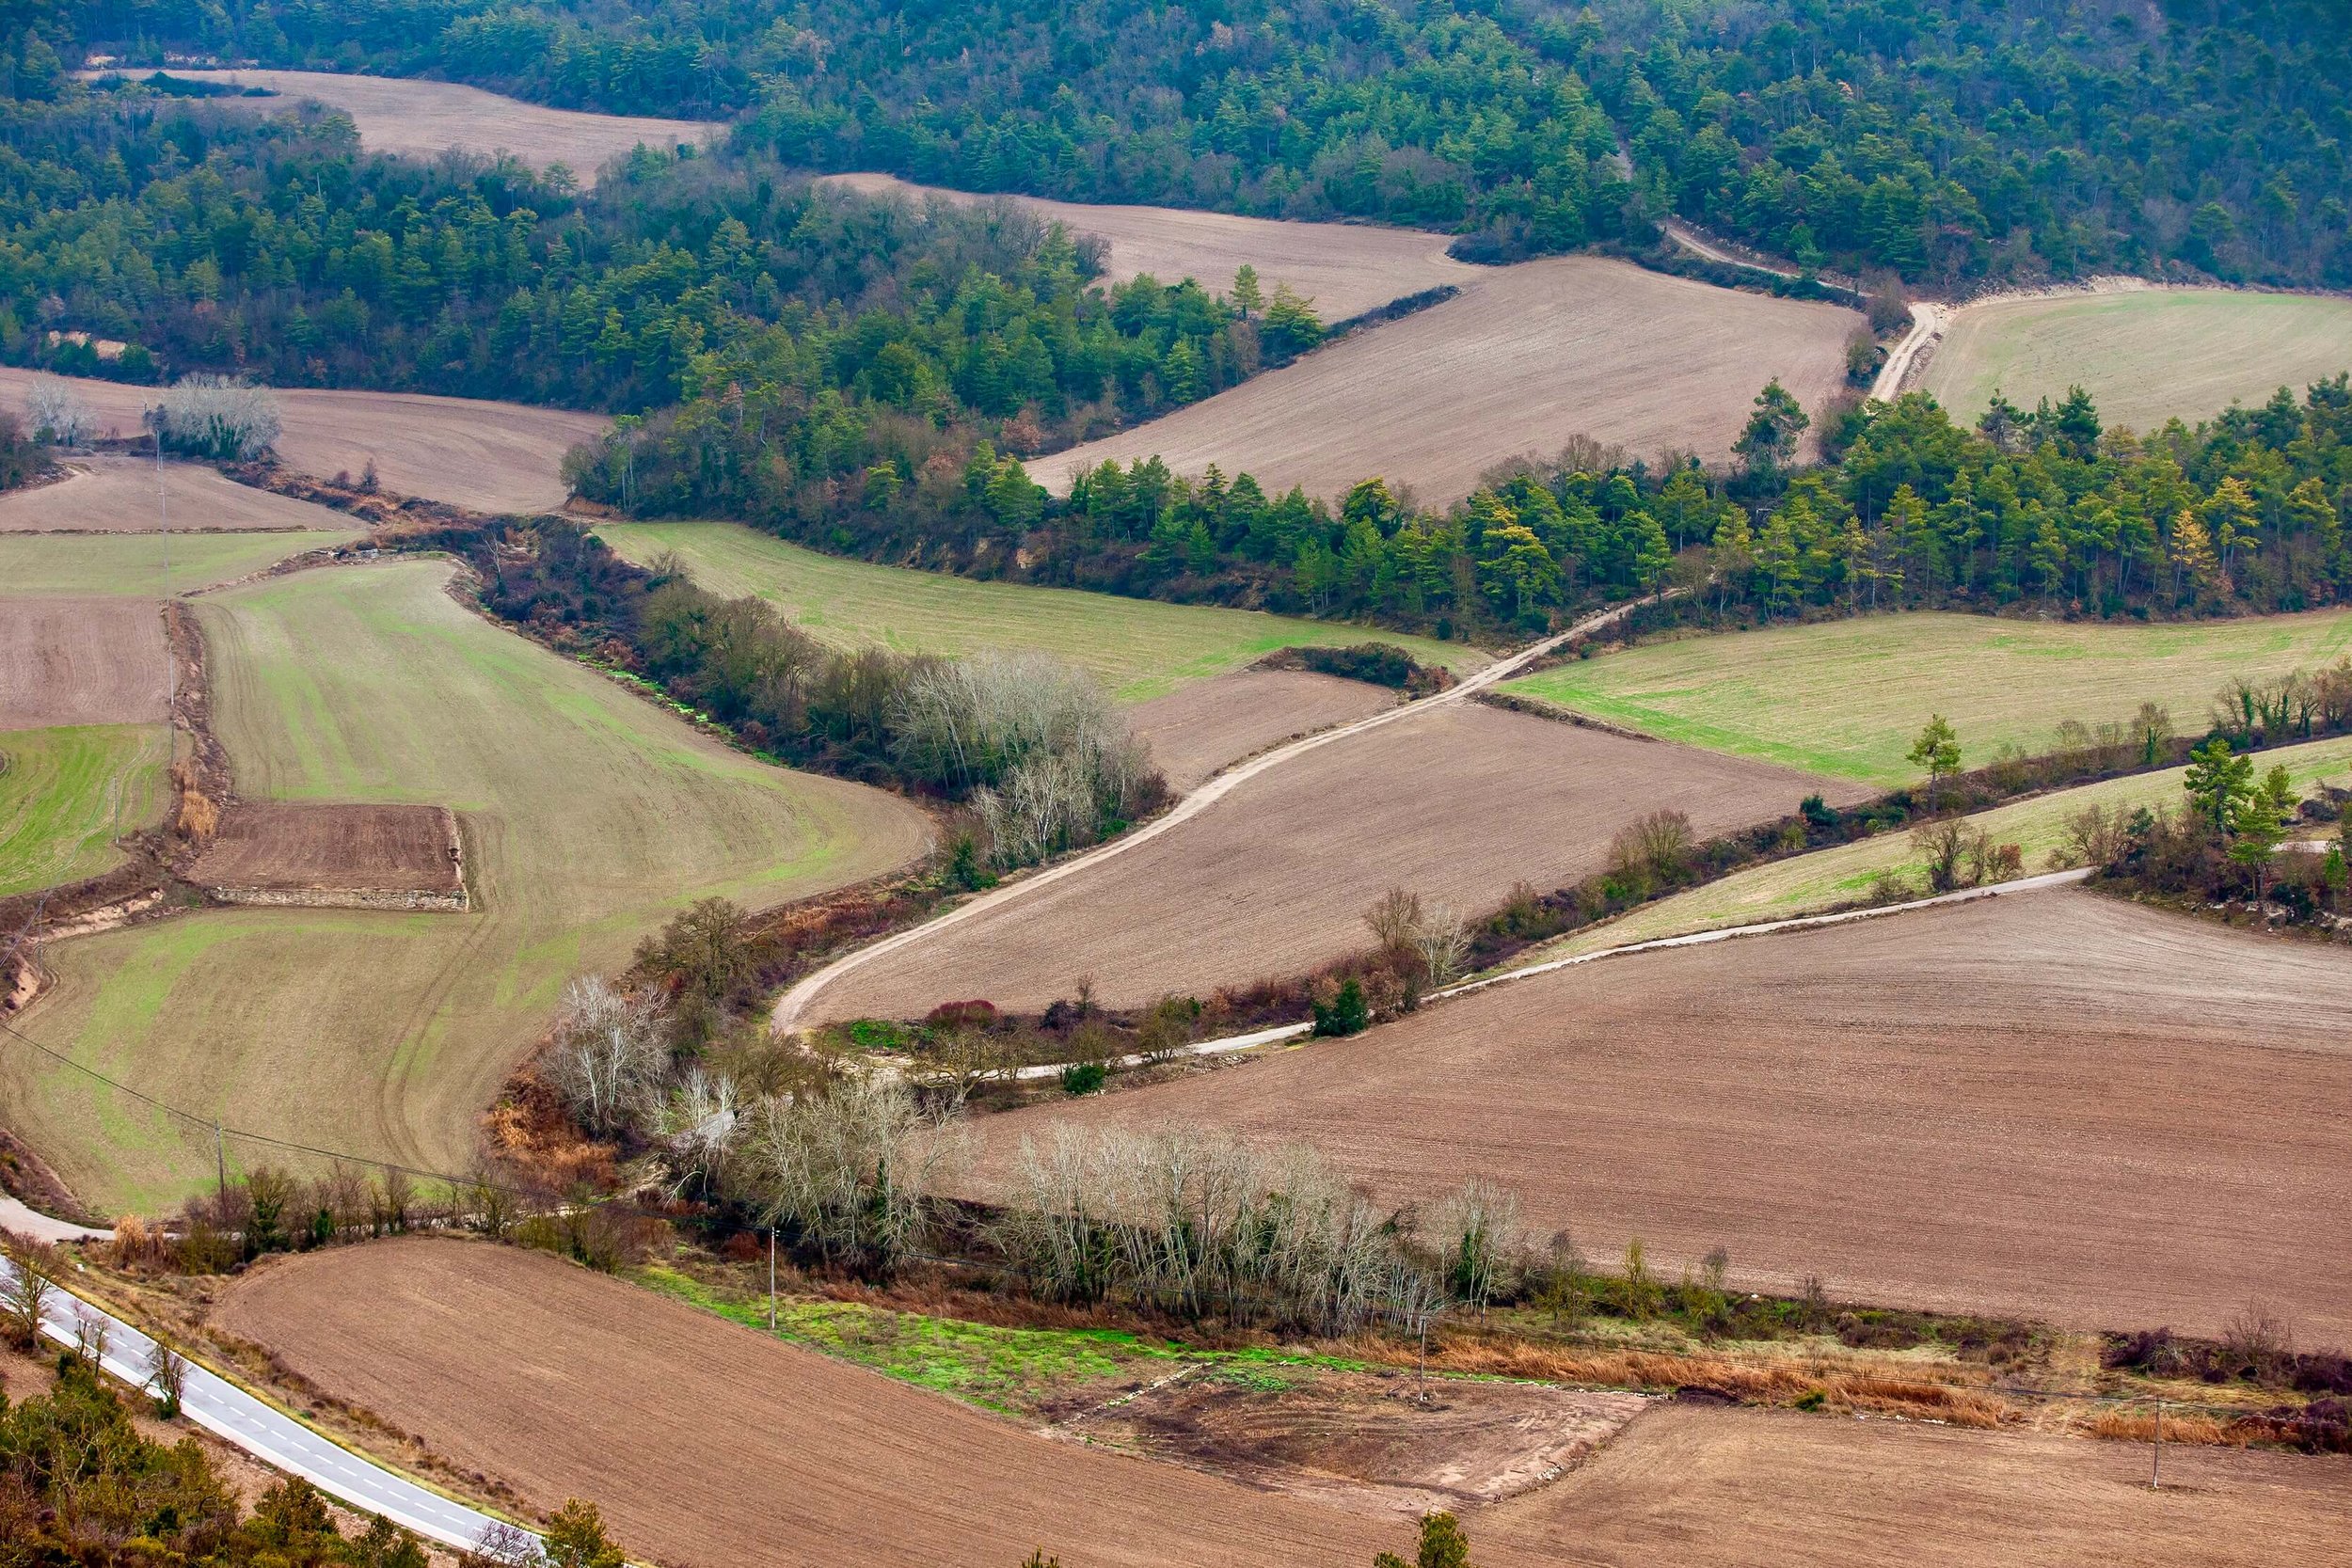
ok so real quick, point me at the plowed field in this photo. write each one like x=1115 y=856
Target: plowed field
x=1456 y=805
x=117 y=494
x=418 y=119
x=81 y=661
x=1345 y=268
x=1210 y=724
x=1526 y=357
x=708 y=1446
x=2052 y=1103
x=331 y=847
x=491 y=456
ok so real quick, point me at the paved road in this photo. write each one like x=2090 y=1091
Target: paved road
x=794 y=1002
x=277 y=1439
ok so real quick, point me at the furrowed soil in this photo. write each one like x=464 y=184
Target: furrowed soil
x=490 y=456
x=2144 y=354
x=1849 y=874
x=386 y=1034
x=1138 y=648
x=72 y=661
x=331 y=847
x=106 y=494
x=1345 y=269
x=1522 y=360
x=707 y=1444
x=416 y=118
x=1455 y=806
x=1848 y=697
x=1212 y=724
x=2048 y=1104
x=67 y=794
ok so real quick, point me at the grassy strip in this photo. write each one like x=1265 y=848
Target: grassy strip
x=1138 y=648
x=1847 y=698
x=1847 y=874
x=67 y=794
x=150 y=564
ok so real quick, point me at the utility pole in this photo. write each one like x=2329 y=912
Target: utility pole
x=771 y=1280
x=220 y=1168
x=2155 y=1453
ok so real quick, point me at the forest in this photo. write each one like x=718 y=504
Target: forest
x=1976 y=140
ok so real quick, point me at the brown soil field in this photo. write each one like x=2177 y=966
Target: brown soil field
x=420 y=118
x=1456 y=805
x=95 y=660
x=706 y=1443
x=1711 y=1488
x=117 y=495
x=332 y=848
x=1378 y=1443
x=1525 y=358
x=2053 y=1104
x=710 y=1443
x=1211 y=724
x=1345 y=268
x=491 y=456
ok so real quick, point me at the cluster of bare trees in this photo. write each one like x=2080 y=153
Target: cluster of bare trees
x=1431 y=938
x=2293 y=707
x=216 y=416
x=1196 y=1223
x=852 y=1173
x=1046 y=757
x=58 y=413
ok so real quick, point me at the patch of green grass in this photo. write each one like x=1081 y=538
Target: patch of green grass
x=2145 y=356
x=67 y=794
x=589 y=816
x=1846 y=699
x=153 y=566
x=1138 y=648
x=1810 y=884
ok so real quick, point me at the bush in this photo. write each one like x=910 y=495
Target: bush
x=1345 y=1013
x=1084 y=1078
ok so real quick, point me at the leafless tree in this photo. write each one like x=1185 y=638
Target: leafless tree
x=25 y=1295
x=697 y=1127
x=1442 y=940
x=611 y=1055
x=852 y=1171
x=504 y=1545
x=167 y=1377
x=92 y=1334
x=1478 y=1232
x=58 y=413
x=1394 y=919
x=219 y=416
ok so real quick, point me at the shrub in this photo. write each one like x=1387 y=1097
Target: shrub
x=1080 y=1078
x=1345 y=1013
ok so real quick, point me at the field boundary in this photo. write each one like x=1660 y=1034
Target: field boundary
x=794 y=1002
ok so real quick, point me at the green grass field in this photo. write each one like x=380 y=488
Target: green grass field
x=138 y=562
x=589 y=816
x=1138 y=648
x=1847 y=698
x=2145 y=356
x=67 y=794
x=1811 y=884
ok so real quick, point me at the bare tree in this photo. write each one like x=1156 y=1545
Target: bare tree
x=217 y=417
x=1478 y=1230
x=57 y=412
x=167 y=1378
x=611 y=1055
x=92 y=1334
x=697 y=1127
x=25 y=1295
x=1394 y=919
x=1442 y=940
x=504 y=1545
x=852 y=1171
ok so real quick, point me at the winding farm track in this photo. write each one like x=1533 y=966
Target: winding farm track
x=1929 y=323
x=793 y=1005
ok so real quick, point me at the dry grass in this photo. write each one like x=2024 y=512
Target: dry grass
x=420 y=118
x=1345 y=268
x=1526 y=357
x=2049 y=1105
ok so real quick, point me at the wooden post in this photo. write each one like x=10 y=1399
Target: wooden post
x=2155 y=1453
x=771 y=1280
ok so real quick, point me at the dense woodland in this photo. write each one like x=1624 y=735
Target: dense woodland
x=1952 y=142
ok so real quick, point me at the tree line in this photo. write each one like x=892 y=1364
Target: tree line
x=1955 y=142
